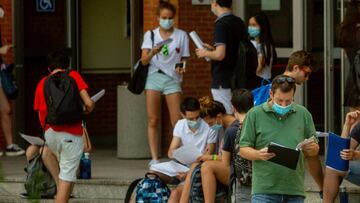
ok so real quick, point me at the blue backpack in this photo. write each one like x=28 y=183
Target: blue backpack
x=152 y=190
x=261 y=94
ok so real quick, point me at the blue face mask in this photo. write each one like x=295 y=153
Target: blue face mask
x=193 y=124
x=166 y=23
x=216 y=127
x=253 y=31
x=281 y=110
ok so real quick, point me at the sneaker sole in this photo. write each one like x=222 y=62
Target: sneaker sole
x=15 y=153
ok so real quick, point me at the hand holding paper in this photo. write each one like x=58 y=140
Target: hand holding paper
x=198 y=43
x=170 y=168
x=187 y=154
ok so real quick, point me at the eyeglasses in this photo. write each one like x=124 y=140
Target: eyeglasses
x=283 y=79
x=306 y=72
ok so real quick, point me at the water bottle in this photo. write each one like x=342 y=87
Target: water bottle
x=85 y=167
x=343 y=195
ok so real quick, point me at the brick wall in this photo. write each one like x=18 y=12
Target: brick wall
x=6 y=38
x=197 y=78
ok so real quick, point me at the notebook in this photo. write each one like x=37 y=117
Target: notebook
x=284 y=156
x=335 y=145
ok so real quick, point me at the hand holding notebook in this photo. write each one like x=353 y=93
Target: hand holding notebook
x=335 y=145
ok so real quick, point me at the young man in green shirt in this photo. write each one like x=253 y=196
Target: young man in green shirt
x=282 y=121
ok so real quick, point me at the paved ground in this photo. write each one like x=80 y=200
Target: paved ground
x=105 y=165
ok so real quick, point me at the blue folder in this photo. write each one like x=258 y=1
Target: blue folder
x=335 y=145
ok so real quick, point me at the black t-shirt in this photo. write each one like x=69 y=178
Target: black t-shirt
x=355 y=133
x=229 y=29
x=229 y=137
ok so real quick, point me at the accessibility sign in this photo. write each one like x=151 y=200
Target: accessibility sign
x=45 y=5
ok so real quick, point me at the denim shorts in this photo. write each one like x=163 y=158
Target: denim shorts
x=275 y=198
x=68 y=150
x=162 y=83
x=354 y=173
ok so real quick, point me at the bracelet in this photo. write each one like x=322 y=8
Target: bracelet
x=214 y=157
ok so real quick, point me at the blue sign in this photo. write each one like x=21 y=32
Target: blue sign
x=45 y=5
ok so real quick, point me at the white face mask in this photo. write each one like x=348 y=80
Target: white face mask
x=2 y=13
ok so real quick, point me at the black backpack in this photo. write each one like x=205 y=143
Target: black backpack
x=242 y=167
x=245 y=68
x=63 y=100
x=39 y=183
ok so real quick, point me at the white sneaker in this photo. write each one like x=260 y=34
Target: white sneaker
x=1 y=152
x=14 y=150
x=153 y=161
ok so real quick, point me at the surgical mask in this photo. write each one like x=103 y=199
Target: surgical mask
x=193 y=124
x=166 y=23
x=253 y=31
x=216 y=127
x=281 y=110
x=2 y=13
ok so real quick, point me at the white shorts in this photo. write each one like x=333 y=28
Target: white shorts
x=68 y=149
x=223 y=96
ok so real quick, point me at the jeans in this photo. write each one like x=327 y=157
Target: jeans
x=275 y=198
x=354 y=173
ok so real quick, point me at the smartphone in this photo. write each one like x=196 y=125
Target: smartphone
x=180 y=65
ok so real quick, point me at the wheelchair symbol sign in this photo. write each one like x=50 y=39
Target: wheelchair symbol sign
x=45 y=5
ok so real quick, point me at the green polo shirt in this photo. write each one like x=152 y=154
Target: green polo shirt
x=262 y=126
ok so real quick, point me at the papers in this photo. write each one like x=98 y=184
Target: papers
x=98 y=95
x=162 y=43
x=187 y=154
x=309 y=140
x=335 y=146
x=198 y=43
x=284 y=156
x=32 y=139
x=170 y=168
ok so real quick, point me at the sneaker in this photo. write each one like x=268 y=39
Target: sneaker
x=1 y=152
x=153 y=161
x=14 y=150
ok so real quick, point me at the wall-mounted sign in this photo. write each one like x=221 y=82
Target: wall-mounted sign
x=201 y=2
x=45 y=5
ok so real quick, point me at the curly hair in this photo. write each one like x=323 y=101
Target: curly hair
x=210 y=107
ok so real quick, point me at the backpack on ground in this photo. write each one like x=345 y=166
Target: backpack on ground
x=152 y=189
x=39 y=182
x=63 y=100
x=245 y=68
x=262 y=93
x=196 y=190
x=242 y=167
x=130 y=193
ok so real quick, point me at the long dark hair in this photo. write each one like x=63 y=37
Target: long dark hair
x=348 y=28
x=266 y=39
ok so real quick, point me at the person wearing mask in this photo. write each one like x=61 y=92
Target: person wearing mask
x=216 y=169
x=164 y=78
x=260 y=32
x=229 y=30
x=275 y=121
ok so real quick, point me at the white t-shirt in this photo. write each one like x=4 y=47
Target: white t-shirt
x=266 y=71
x=178 y=48
x=200 y=138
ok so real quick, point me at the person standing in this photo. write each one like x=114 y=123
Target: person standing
x=350 y=41
x=275 y=121
x=63 y=139
x=229 y=30
x=5 y=108
x=163 y=76
x=260 y=32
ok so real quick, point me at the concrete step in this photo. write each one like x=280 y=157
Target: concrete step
x=112 y=190
x=14 y=199
x=84 y=189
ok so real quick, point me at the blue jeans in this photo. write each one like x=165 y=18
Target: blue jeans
x=354 y=173
x=274 y=198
